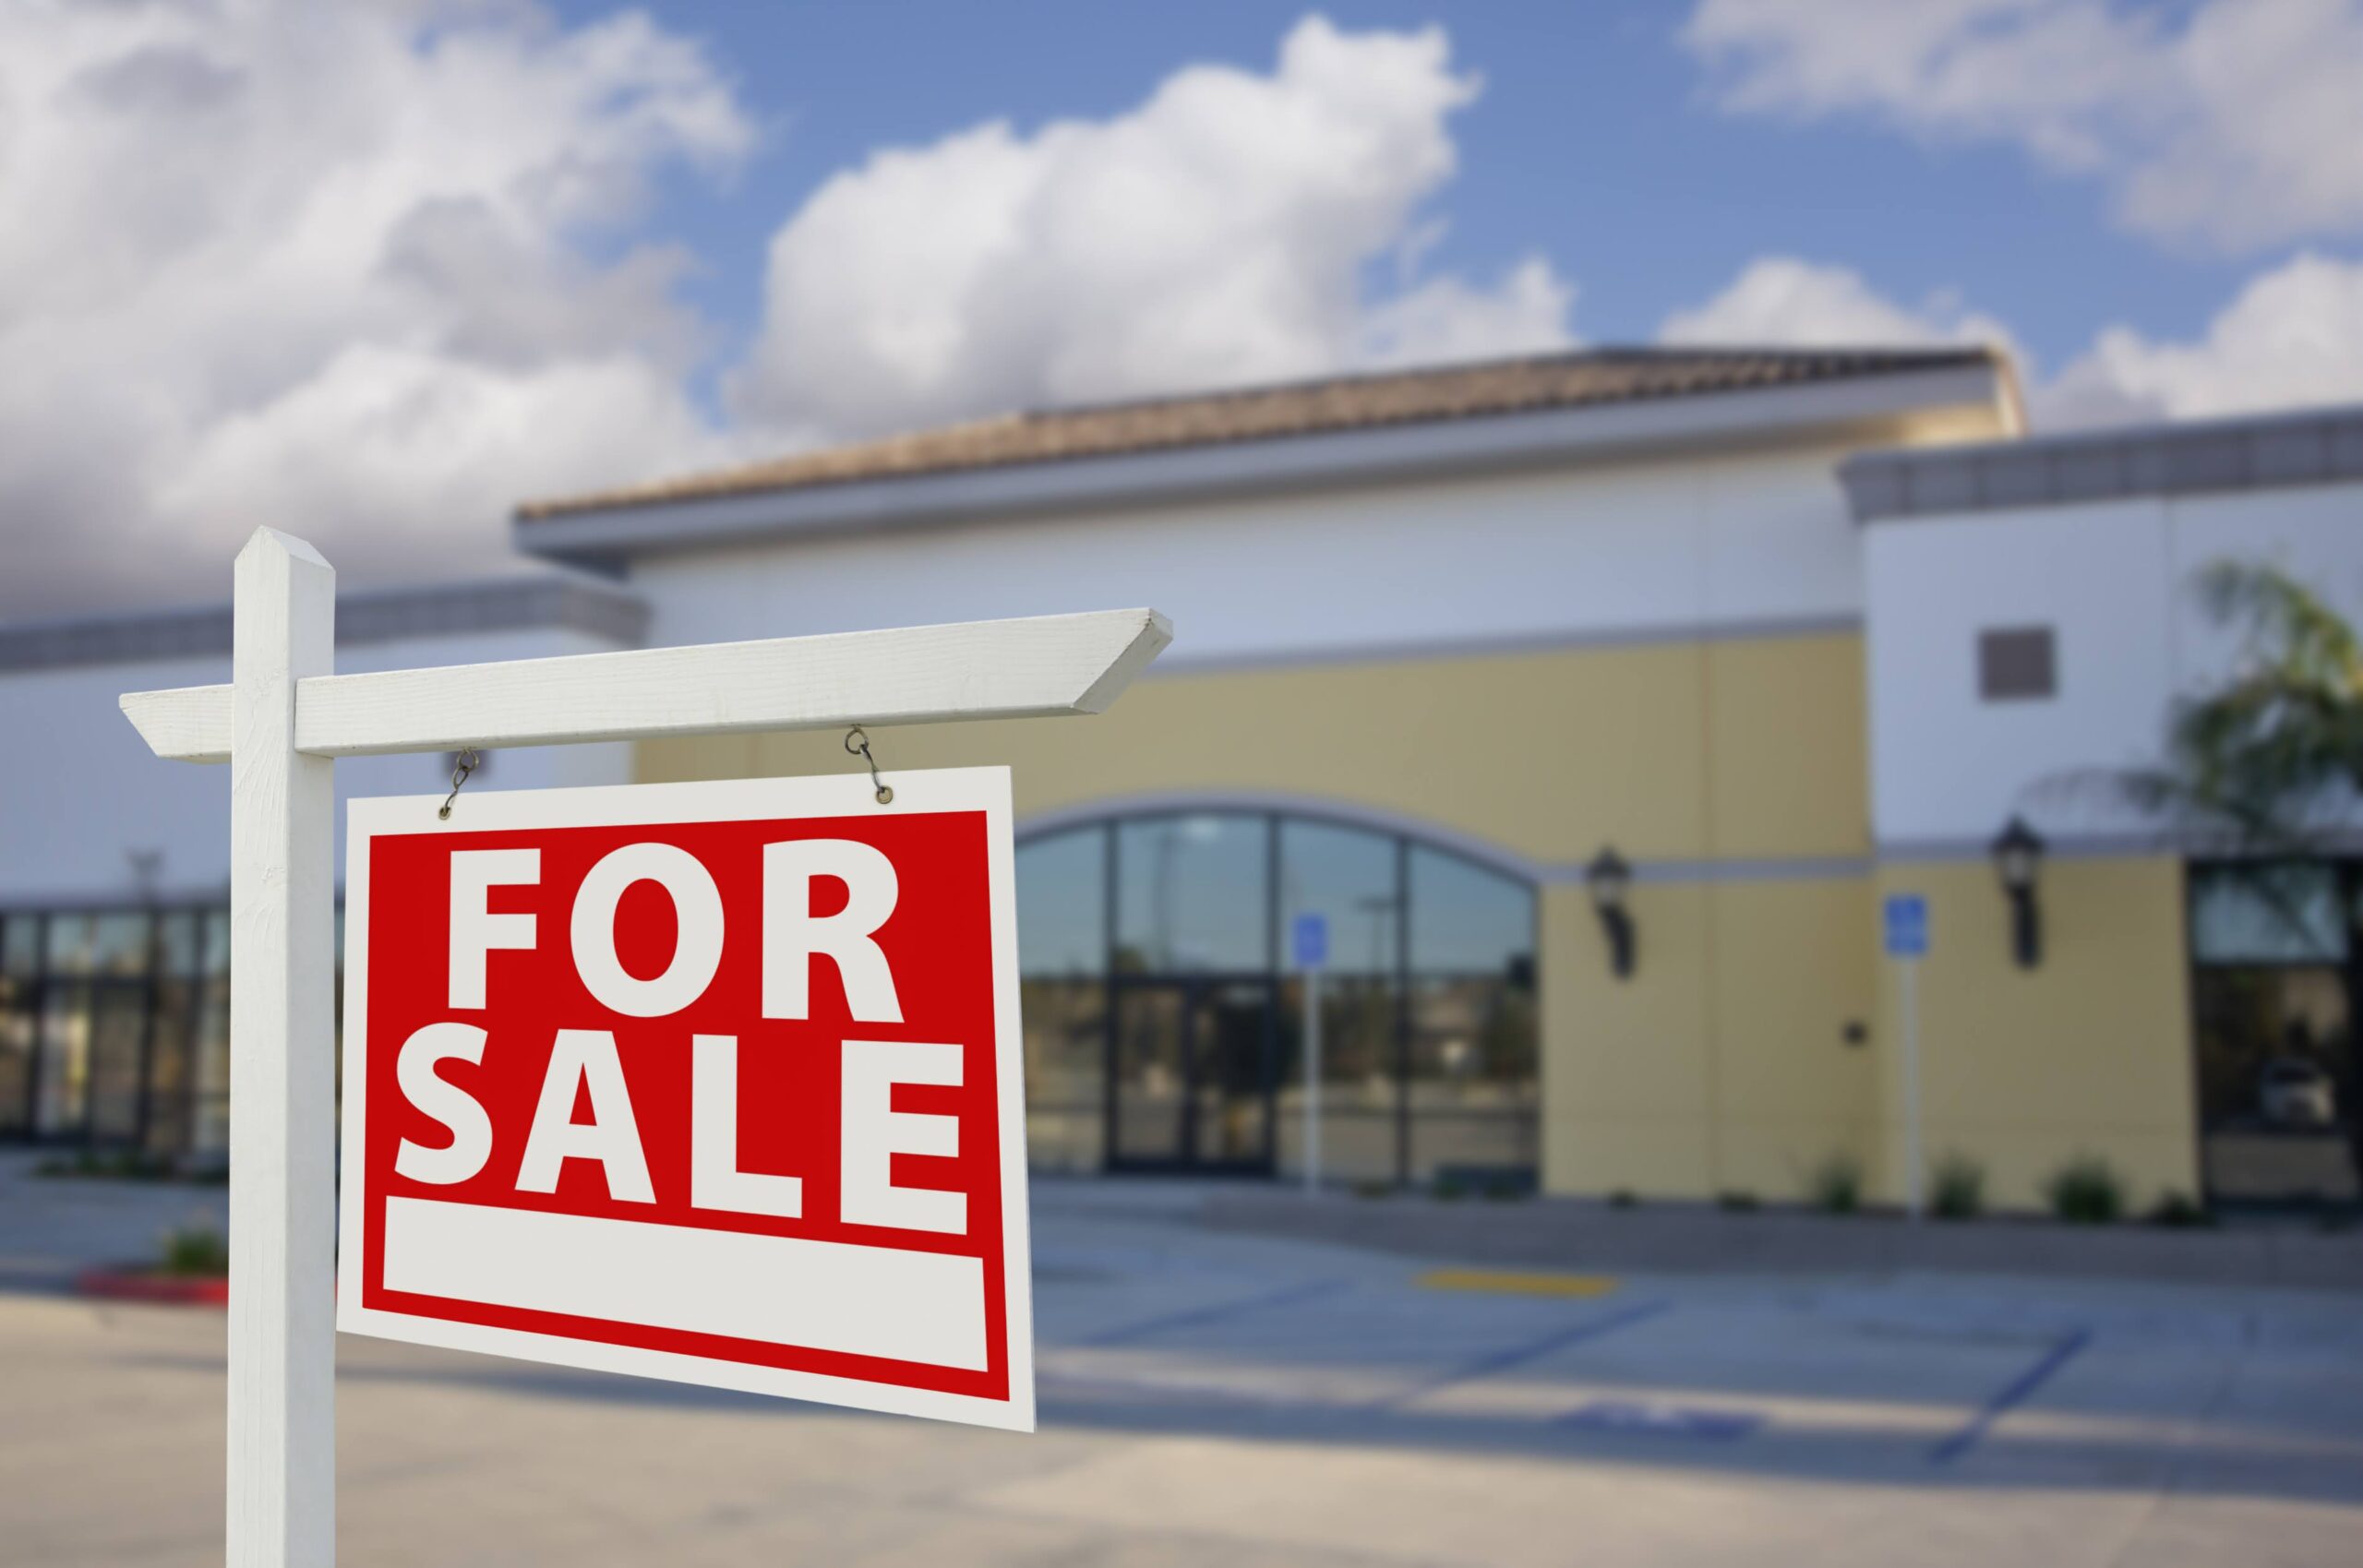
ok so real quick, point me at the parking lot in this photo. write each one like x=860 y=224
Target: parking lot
x=1221 y=1399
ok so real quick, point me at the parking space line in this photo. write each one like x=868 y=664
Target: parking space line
x=2013 y=1393
x=1518 y=1355
x=1216 y=1312
x=1510 y=1283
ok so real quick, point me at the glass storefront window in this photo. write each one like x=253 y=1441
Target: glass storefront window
x=104 y=1030
x=119 y=1050
x=2277 y=1085
x=1360 y=1080
x=213 y=951
x=1425 y=1019
x=1190 y=894
x=21 y=945
x=1066 y=1033
x=2267 y=914
x=1349 y=877
x=1467 y=919
x=209 y=1069
x=99 y=944
x=2274 y=1011
x=1062 y=904
x=62 y=1069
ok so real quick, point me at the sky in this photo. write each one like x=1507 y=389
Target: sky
x=373 y=272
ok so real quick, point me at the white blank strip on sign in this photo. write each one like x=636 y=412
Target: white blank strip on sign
x=924 y=1307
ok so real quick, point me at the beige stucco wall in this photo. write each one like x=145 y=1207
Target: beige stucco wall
x=2089 y=1052
x=1732 y=773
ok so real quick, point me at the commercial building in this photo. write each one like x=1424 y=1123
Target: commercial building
x=1594 y=699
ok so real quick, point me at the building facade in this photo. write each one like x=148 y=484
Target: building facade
x=1775 y=633
x=114 y=869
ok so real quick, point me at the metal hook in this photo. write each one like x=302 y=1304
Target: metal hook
x=467 y=763
x=885 y=791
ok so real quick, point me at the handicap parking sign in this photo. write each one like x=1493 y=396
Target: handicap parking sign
x=1907 y=925
x=1309 y=938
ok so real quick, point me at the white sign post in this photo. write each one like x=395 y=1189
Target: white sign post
x=1906 y=919
x=283 y=720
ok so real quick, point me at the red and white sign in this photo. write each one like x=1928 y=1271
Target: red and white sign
x=718 y=1083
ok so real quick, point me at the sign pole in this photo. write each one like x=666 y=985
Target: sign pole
x=1909 y=980
x=1313 y=1079
x=281 y=1449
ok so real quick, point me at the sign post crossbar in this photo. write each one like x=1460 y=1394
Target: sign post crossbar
x=280 y=723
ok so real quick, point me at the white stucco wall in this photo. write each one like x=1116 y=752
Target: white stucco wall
x=2114 y=580
x=80 y=791
x=1657 y=549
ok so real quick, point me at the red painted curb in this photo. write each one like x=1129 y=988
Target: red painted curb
x=156 y=1289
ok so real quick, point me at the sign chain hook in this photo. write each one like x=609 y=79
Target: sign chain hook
x=858 y=745
x=464 y=763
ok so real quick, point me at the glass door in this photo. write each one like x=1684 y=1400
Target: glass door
x=1190 y=1088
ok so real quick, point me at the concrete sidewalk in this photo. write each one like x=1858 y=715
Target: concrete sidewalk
x=1567 y=1233
x=53 y=1226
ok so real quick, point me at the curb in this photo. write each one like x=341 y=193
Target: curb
x=1576 y=1234
x=145 y=1285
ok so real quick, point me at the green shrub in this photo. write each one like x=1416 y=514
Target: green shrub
x=195 y=1249
x=2177 y=1212
x=1739 y=1203
x=1958 y=1188
x=2086 y=1191
x=1623 y=1199
x=1451 y=1189
x=1373 y=1188
x=1836 y=1185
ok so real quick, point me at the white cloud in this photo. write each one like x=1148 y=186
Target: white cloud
x=2291 y=338
x=1784 y=302
x=325 y=267
x=2236 y=122
x=1222 y=231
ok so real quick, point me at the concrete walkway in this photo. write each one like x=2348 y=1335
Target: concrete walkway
x=1213 y=1397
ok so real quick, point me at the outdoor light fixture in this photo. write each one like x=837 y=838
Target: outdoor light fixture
x=2018 y=857
x=1608 y=877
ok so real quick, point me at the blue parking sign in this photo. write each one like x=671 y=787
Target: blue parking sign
x=1907 y=925
x=1309 y=940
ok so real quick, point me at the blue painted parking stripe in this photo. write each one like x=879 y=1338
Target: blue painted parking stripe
x=1197 y=1316
x=1518 y=1355
x=2015 y=1392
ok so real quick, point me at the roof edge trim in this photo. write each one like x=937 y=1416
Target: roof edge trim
x=601 y=537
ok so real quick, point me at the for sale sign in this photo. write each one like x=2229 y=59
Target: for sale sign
x=713 y=1082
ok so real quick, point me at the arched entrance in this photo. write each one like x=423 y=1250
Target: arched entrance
x=1163 y=1025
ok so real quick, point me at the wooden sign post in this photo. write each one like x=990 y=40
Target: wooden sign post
x=281 y=723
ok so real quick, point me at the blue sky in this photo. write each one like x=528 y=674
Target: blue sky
x=392 y=268
x=1595 y=141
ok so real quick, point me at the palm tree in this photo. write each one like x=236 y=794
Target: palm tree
x=2272 y=760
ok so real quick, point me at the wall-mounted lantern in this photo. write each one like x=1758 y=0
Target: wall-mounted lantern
x=2017 y=851
x=1608 y=877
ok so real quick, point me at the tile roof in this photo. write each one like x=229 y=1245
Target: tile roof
x=1299 y=408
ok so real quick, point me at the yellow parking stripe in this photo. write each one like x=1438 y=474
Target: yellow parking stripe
x=1518 y=1284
